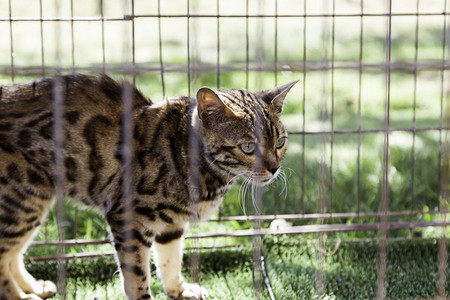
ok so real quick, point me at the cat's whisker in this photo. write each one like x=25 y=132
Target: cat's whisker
x=282 y=176
x=247 y=185
x=247 y=188
x=231 y=181
x=243 y=194
x=256 y=196
x=211 y=163
x=241 y=188
x=290 y=169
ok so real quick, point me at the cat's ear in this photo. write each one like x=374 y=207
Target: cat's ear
x=275 y=96
x=209 y=104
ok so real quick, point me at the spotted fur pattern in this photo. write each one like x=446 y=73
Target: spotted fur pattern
x=185 y=154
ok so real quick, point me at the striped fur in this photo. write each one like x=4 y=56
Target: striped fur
x=185 y=154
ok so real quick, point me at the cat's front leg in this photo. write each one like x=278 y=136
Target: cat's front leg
x=168 y=259
x=135 y=268
x=133 y=254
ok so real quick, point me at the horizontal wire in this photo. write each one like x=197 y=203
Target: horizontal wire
x=376 y=130
x=76 y=242
x=313 y=216
x=97 y=254
x=283 y=66
x=84 y=242
x=270 y=231
x=244 y=16
x=326 y=228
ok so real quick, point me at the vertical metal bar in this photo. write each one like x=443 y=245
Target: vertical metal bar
x=73 y=46
x=218 y=45
x=247 y=45
x=322 y=164
x=257 y=247
x=413 y=147
x=383 y=231
x=194 y=46
x=256 y=189
x=194 y=150
x=220 y=213
x=333 y=25
x=102 y=13
x=11 y=46
x=133 y=44
x=443 y=252
x=443 y=260
x=161 y=64
x=445 y=165
x=126 y=127
x=275 y=61
x=320 y=257
x=127 y=155
x=58 y=138
x=259 y=49
x=302 y=197
x=275 y=70
x=441 y=117
x=41 y=23
x=358 y=159
x=188 y=47
x=75 y=233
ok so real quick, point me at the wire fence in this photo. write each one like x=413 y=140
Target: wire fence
x=274 y=41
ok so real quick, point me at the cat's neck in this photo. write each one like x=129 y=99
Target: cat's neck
x=206 y=182
x=213 y=181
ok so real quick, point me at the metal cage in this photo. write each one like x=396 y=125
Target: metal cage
x=333 y=47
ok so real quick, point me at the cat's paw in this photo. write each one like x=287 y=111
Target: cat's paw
x=29 y=297
x=190 y=291
x=44 y=289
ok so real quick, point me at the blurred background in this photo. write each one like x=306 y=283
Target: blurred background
x=368 y=146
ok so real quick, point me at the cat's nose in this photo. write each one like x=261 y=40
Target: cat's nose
x=273 y=170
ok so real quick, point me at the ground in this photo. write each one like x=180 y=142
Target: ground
x=291 y=264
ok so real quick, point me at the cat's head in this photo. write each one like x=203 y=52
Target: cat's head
x=242 y=131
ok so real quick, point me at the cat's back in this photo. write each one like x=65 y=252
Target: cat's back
x=91 y=94
x=90 y=112
x=29 y=107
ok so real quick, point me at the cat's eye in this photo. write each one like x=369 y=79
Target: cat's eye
x=247 y=148
x=280 y=143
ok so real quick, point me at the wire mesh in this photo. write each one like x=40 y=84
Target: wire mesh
x=323 y=64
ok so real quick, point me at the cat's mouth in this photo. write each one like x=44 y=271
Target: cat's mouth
x=261 y=178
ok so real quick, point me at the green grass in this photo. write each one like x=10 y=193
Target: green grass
x=351 y=272
x=291 y=264
x=226 y=274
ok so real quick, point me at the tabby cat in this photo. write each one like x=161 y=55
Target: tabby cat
x=185 y=154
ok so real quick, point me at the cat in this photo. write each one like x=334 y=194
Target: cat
x=186 y=152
